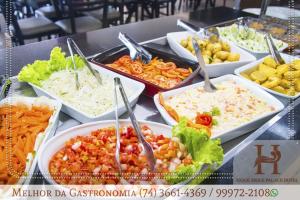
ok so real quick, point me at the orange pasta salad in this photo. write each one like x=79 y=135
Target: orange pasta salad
x=19 y=127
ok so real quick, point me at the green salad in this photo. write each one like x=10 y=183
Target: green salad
x=41 y=70
x=202 y=149
x=248 y=39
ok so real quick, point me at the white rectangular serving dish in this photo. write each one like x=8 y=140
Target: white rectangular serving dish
x=214 y=70
x=136 y=87
x=287 y=58
x=235 y=132
x=42 y=137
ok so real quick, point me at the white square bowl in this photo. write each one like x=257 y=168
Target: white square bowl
x=214 y=70
x=243 y=128
x=287 y=58
x=135 y=86
x=42 y=137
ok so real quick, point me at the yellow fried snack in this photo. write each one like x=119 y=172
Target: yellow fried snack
x=259 y=76
x=284 y=78
x=268 y=71
x=281 y=69
x=285 y=83
x=291 y=91
x=279 y=89
x=297 y=85
x=245 y=75
x=292 y=74
x=270 y=62
x=296 y=64
x=271 y=82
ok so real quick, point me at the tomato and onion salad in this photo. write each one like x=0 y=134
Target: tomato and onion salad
x=91 y=159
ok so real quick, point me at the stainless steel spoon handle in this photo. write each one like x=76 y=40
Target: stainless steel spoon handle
x=208 y=86
x=118 y=142
x=77 y=49
x=147 y=147
x=69 y=40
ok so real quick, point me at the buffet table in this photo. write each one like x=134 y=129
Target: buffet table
x=152 y=33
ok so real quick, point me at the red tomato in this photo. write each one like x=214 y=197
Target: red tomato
x=204 y=119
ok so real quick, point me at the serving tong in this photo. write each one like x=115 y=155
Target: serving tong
x=208 y=86
x=242 y=25
x=273 y=50
x=146 y=146
x=71 y=43
x=135 y=49
x=5 y=88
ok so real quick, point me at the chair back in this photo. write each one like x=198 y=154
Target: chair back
x=8 y=9
x=77 y=7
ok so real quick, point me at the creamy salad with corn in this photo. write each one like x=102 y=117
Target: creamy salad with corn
x=236 y=105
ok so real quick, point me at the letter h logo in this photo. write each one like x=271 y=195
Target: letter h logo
x=275 y=157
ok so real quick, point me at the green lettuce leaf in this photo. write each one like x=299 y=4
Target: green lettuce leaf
x=202 y=149
x=28 y=74
x=78 y=61
x=57 y=60
x=41 y=69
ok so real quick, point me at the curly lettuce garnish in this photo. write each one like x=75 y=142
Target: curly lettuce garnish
x=41 y=69
x=202 y=149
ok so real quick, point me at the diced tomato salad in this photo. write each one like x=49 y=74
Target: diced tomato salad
x=91 y=159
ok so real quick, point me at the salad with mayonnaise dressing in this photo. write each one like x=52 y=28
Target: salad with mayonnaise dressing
x=248 y=38
x=57 y=77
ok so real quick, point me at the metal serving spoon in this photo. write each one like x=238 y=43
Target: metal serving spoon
x=146 y=146
x=273 y=50
x=71 y=43
x=208 y=86
x=135 y=49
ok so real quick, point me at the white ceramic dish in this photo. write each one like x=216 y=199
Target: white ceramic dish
x=135 y=86
x=58 y=141
x=214 y=70
x=235 y=132
x=287 y=59
x=42 y=137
